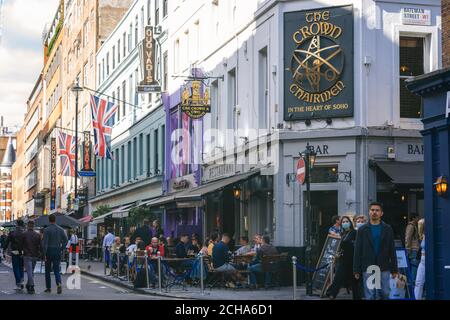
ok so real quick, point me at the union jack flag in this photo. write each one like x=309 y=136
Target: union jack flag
x=67 y=154
x=103 y=113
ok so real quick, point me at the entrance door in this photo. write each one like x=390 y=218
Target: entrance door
x=324 y=206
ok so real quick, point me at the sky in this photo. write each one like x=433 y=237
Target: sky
x=21 y=53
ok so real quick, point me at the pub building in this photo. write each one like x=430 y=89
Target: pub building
x=329 y=74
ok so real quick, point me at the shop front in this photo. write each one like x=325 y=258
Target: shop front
x=397 y=169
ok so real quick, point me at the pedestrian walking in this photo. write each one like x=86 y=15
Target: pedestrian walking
x=2 y=242
x=32 y=252
x=344 y=268
x=108 y=241
x=360 y=221
x=420 y=279
x=412 y=244
x=13 y=243
x=73 y=243
x=54 y=243
x=375 y=247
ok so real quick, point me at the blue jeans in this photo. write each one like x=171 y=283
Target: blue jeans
x=107 y=257
x=53 y=262
x=254 y=270
x=377 y=294
x=414 y=263
x=17 y=264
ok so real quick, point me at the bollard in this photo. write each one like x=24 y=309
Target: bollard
x=77 y=256
x=69 y=262
x=146 y=269
x=294 y=276
x=118 y=264
x=201 y=274
x=128 y=266
x=159 y=273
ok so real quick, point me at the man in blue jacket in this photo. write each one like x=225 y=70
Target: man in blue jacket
x=54 y=242
x=375 y=248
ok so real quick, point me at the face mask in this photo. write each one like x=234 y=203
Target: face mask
x=346 y=225
x=359 y=224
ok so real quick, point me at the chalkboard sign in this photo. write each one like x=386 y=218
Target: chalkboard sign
x=321 y=278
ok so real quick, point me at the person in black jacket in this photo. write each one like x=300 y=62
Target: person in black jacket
x=144 y=232
x=344 y=267
x=375 y=252
x=14 y=243
x=32 y=252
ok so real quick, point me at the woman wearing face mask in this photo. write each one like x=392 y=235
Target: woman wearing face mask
x=344 y=268
x=360 y=221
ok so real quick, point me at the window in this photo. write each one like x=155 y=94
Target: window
x=165 y=8
x=86 y=74
x=103 y=69
x=135 y=158
x=156 y=152
x=99 y=74
x=231 y=98
x=411 y=65
x=124 y=90
x=156 y=12
x=117 y=167
x=130 y=36
x=163 y=147
x=118 y=103
x=118 y=51
x=215 y=105
x=141 y=154
x=166 y=71
x=124 y=44
x=148 y=154
x=123 y=164
x=107 y=173
x=86 y=33
x=131 y=100
x=129 y=161
x=114 y=57
x=99 y=172
x=142 y=22
x=177 y=56
x=107 y=64
x=149 y=16
x=263 y=89
x=136 y=31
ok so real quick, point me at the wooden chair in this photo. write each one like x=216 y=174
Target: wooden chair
x=272 y=264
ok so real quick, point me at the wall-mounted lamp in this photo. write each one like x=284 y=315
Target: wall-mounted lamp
x=441 y=186
x=237 y=193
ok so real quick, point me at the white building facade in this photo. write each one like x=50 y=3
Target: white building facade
x=135 y=174
x=240 y=50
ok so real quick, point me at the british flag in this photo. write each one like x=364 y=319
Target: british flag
x=103 y=114
x=67 y=154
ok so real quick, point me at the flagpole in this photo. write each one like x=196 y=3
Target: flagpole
x=112 y=98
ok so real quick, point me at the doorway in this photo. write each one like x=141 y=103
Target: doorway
x=324 y=206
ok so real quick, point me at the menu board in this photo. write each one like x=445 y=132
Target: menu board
x=321 y=278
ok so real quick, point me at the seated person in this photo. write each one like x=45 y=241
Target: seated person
x=204 y=249
x=181 y=251
x=245 y=247
x=257 y=239
x=155 y=248
x=213 y=240
x=221 y=260
x=132 y=248
x=195 y=247
x=266 y=249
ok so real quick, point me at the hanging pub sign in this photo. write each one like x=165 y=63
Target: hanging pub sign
x=147 y=54
x=87 y=170
x=318 y=55
x=195 y=103
x=53 y=175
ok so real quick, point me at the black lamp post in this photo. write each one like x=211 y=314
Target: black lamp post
x=309 y=155
x=76 y=89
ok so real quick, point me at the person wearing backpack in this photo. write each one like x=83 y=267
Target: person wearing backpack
x=14 y=243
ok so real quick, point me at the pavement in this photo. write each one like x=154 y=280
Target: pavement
x=96 y=270
x=90 y=289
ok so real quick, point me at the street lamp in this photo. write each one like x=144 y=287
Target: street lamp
x=441 y=186
x=309 y=155
x=76 y=89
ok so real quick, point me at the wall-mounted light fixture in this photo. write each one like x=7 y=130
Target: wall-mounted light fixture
x=237 y=192
x=441 y=186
